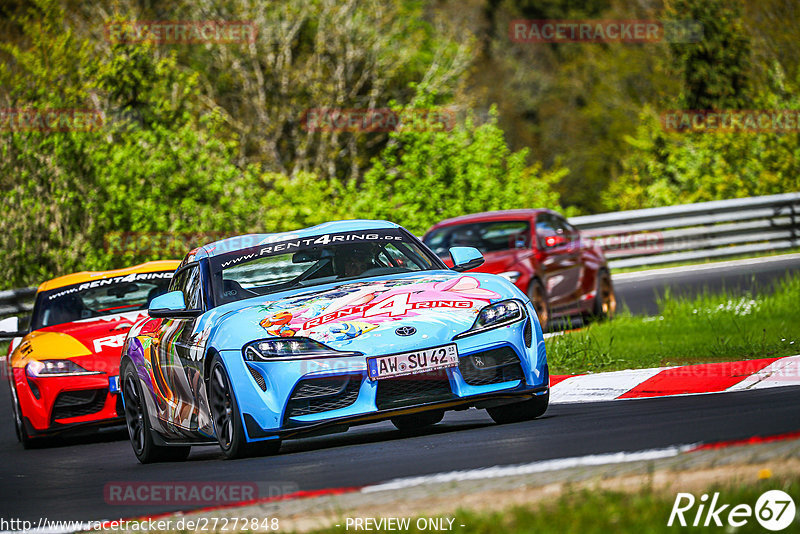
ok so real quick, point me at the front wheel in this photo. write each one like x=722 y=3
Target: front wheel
x=19 y=425
x=138 y=423
x=605 y=300
x=227 y=420
x=520 y=411
x=538 y=296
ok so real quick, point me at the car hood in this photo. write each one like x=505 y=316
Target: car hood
x=365 y=316
x=94 y=343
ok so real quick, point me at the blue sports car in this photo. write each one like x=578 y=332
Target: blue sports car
x=275 y=336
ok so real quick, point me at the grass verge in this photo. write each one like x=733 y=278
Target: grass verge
x=709 y=328
x=589 y=511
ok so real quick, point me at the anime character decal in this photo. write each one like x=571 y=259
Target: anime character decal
x=352 y=310
x=278 y=324
x=173 y=380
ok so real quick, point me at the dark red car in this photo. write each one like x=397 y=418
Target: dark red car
x=564 y=274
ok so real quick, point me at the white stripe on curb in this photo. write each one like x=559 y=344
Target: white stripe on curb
x=783 y=372
x=600 y=386
x=527 y=469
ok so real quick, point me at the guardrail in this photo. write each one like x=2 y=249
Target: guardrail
x=652 y=236
x=14 y=301
x=717 y=229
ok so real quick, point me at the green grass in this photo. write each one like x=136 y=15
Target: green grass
x=709 y=328
x=602 y=512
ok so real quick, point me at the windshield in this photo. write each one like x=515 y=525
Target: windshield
x=107 y=296
x=303 y=262
x=485 y=236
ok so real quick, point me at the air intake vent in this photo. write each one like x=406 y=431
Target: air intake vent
x=490 y=367
x=78 y=403
x=414 y=389
x=316 y=395
x=258 y=377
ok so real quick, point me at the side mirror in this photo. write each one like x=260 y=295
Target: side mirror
x=9 y=328
x=553 y=241
x=466 y=258
x=171 y=305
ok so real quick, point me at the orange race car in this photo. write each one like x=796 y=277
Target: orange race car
x=63 y=371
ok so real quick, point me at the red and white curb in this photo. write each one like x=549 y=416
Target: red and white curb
x=680 y=380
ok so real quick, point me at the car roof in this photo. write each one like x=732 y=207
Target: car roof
x=86 y=276
x=231 y=244
x=499 y=215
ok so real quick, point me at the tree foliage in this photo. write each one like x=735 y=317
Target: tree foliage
x=209 y=138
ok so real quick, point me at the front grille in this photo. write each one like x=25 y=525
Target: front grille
x=316 y=395
x=413 y=389
x=78 y=403
x=258 y=377
x=490 y=367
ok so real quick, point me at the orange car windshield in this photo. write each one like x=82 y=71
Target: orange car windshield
x=97 y=298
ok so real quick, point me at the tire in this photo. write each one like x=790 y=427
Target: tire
x=520 y=411
x=538 y=296
x=605 y=301
x=19 y=425
x=138 y=423
x=417 y=421
x=227 y=419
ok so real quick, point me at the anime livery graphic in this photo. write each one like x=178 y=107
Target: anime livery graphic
x=341 y=324
x=63 y=371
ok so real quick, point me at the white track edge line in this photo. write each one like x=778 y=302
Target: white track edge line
x=529 y=468
x=702 y=267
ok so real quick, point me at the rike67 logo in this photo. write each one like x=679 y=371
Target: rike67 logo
x=774 y=510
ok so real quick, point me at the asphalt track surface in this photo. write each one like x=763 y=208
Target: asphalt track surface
x=66 y=480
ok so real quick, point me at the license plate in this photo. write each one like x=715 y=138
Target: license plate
x=411 y=363
x=113 y=384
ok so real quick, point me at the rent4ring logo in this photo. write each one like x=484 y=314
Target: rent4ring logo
x=774 y=510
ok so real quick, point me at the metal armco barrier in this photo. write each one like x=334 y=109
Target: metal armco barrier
x=652 y=236
x=717 y=229
x=13 y=301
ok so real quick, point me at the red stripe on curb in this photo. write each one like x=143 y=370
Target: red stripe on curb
x=747 y=441
x=555 y=379
x=704 y=378
x=288 y=497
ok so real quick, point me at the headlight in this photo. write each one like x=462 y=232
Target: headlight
x=37 y=368
x=496 y=315
x=511 y=276
x=299 y=348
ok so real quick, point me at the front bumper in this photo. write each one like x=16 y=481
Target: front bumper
x=264 y=389
x=342 y=423
x=53 y=405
